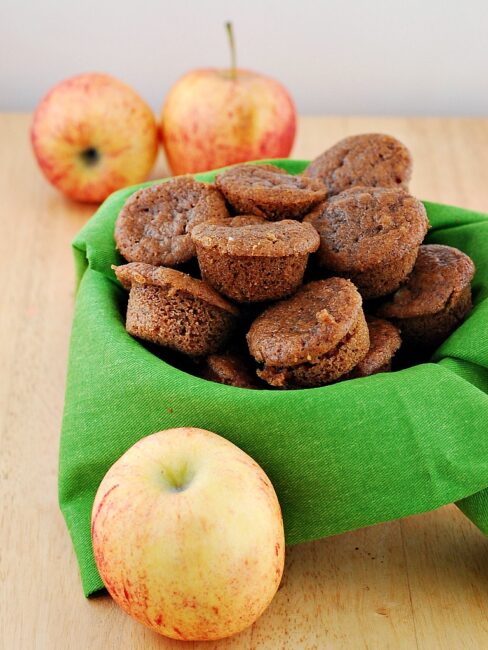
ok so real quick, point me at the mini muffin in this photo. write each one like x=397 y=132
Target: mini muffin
x=229 y=369
x=384 y=341
x=155 y=223
x=369 y=160
x=257 y=262
x=269 y=192
x=174 y=310
x=313 y=338
x=370 y=235
x=436 y=298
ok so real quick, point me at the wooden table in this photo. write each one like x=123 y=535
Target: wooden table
x=417 y=583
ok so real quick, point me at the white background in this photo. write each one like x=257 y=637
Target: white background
x=336 y=57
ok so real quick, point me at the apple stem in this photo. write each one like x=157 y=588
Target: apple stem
x=232 y=45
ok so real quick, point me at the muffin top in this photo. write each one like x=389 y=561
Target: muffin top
x=384 y=341
x=369 y=160
x=440 y=273
x=307 y=325
x=138 y=273
x=154 y=224
x=268 y=239
x=363 y=227
x=268 y=191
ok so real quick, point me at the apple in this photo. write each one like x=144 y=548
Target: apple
x=188 y=535
x=93 y=134
x=213 y=117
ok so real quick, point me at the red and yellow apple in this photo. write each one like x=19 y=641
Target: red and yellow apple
x=188 y=535
x=93 y=134
x=212 y=118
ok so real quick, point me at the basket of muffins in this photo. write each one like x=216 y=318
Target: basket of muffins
x=269 y=280
x=306 y=311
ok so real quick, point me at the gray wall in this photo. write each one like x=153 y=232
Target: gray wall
x=336 y=56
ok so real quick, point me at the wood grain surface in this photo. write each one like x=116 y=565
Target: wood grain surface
x=417 y=583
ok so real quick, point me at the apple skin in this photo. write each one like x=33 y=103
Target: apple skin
x=103 y=117
x=210 y=120
x=188 y=535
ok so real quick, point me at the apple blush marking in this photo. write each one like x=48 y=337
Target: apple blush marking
x=101 y=504
x=91 y=135
x=192 y=564
x=217 y=117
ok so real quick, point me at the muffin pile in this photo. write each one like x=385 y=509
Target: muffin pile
x=265 y=279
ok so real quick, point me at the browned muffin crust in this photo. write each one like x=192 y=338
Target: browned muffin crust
x=424 y=333
x=326 y=368
x=370 y=235
x=169 y=308
x=229 y=369
x=155 y=223
x=369 y=160
x=269 y=192
x=439 y=272
x=252 y=279
x=266 y=239
x=255 y=263
x=384 y=341
x=307 y=325
x=361 y=228
x=436 y=297
x=175 y=281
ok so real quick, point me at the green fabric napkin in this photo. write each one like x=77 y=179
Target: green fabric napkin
x=340 y=457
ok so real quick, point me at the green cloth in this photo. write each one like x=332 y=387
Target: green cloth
x=340 y=457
